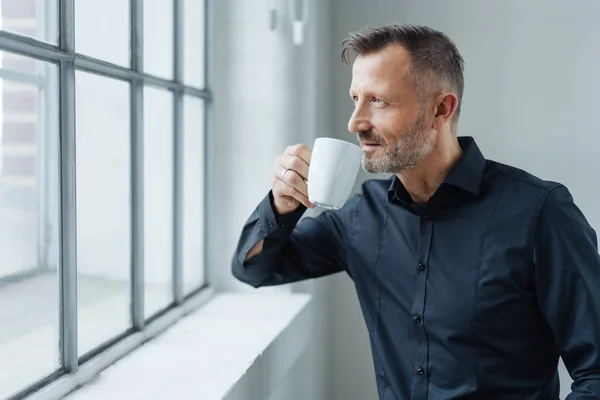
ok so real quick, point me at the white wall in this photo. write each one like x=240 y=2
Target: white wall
x=530 y=100
x=253 y=111
x=312 y=85
x=264 y=100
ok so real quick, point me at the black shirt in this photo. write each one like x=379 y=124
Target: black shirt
x=474 y=295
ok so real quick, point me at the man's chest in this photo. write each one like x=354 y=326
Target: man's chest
x=455 y=268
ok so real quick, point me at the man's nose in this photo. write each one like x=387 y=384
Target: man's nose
x=359 y=120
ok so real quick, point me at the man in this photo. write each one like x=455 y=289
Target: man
x=473 y=276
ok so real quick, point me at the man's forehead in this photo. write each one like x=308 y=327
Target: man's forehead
x=388 y=65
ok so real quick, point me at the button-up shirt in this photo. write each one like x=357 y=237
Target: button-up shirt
x=473 y=295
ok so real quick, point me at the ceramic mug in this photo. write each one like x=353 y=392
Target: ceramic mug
x=334 y=165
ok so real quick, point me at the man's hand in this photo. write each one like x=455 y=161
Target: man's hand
x=289 y=179
x=289 y=187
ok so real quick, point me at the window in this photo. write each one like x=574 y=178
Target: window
x=102 y=154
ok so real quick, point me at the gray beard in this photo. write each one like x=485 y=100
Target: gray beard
x=407 y=152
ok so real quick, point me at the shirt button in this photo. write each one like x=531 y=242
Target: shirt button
x=421 y=267
x=271 y=224
x=417 y=320
x=420 y=371
x=427 y=217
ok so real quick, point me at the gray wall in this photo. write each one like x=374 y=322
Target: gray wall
x=531 y=98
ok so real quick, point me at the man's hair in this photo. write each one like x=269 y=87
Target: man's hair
x=435 y=63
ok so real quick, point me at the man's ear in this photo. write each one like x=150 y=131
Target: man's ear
x=445 y=108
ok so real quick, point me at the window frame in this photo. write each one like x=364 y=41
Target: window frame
x=72 y=371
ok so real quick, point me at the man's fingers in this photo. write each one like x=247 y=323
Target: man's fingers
x=295 y=164
x=281 y=188
x=299 y=150
x=294 y=180
x=289 y=180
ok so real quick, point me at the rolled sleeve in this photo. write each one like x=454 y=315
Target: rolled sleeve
x=567 y=273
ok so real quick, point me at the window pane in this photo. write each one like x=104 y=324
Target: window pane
x=103 y=165
x=102 y=30
x=158 y=37
x=158 y=199
x=34 y=18
x=29 y=230
x=193 y=193
x=193 y=42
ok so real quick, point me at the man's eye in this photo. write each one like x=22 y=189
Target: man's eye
x=378 y=101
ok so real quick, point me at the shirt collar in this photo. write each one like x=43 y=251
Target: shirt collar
x=466 y=174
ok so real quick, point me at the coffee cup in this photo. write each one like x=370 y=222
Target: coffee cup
x=334 y=165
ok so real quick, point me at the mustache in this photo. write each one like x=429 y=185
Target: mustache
x=369 y=136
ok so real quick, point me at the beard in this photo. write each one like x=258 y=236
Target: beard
x=406 y=152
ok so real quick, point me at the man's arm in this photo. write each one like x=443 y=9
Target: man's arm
x=567 y=272
x=292 y=251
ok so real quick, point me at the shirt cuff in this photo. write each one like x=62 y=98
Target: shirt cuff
x=275 y=226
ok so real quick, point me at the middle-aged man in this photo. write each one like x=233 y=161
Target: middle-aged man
x=473 y=276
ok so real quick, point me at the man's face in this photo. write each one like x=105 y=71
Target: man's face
x=392 y=122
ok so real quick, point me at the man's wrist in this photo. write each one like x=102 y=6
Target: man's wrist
x=288 y=218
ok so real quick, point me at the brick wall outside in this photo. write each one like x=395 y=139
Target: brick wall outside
x=18 y=188
x=19 y=184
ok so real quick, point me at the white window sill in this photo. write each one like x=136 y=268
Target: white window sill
x=219 y=351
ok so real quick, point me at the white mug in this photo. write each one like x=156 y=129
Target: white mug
x=332 y=172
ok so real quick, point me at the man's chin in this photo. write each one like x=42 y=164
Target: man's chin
x=378 y=166
x=372 y=167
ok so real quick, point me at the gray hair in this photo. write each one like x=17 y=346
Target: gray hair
x=436 y=64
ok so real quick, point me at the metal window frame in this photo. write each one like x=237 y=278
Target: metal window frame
x=74 y=368
x=178 y=292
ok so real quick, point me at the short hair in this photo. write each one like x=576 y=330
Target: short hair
x=435 y=61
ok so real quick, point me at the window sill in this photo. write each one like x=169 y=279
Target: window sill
x=221 y=350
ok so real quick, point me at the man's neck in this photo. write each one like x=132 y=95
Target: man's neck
x=422 y=181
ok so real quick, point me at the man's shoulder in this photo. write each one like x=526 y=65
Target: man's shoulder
x=512 y=178
x=371 y=192
x=376 y=187
x=377 y=184
x=504 y=177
